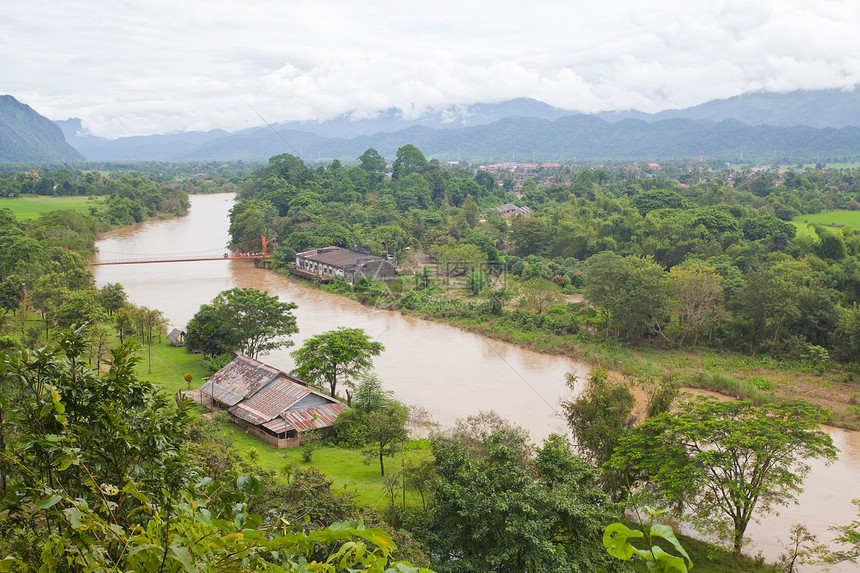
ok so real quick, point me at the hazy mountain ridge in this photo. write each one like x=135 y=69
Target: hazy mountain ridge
x=27 y=136
x=454 y=117
x=139 y=147
x=582 y=137
x=755 y=125
x=750 y=125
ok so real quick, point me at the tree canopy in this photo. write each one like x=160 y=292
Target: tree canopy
x=490 y=514
x=336 y=355
x=244 y=320
x=726 y=461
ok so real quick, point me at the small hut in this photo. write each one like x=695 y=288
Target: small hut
x=176 y=337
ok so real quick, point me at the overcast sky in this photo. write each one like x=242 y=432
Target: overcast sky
x=128 y=67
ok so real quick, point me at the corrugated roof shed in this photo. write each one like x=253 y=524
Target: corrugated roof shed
x=286 y=401
x=240 y=379
x=275 y=398
x=308 y=419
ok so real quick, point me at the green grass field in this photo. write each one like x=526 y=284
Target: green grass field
x=170 y=364
x=839 y=218
x=26 y=208
x=345 y=467
x=830 y=218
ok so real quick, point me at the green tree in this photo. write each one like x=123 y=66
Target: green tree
x=487 y=182
x=409 y=159
x=66 y=449
x=726 y=461
x=413 y=192
x=659 y=199
x=242 y=319
x=124 y=323
x=369 y=394
x=598 y=418
x=490 y=513
x=149 y=322
x=386 y=427
x=632 y=292
x=112 y=297
x=107 y=488
x=697 y=292
x=531 y=236
x=340 y=354
x=372 y=161
x=82 y=306
x=767 y=302
x=12 y=292
x=472 y=211
x=540 y=294
x=250 y=220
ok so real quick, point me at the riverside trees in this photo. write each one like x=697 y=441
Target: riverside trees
x=242 y=319
x=726 y=461
x=489 y=513
x=336 y=355
x=686 y=264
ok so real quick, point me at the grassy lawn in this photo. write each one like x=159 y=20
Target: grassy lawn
x=32 y=207
x=839 y=218
x=170 y=364
x=346 y=468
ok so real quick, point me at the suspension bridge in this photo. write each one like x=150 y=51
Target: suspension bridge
x=234 y=252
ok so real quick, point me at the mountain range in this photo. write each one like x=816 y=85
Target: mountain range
x=27 y=136
x=761 y=125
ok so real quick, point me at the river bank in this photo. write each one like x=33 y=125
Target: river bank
x=759 y=378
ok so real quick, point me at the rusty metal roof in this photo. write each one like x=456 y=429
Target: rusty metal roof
x=240 y=379
x=270 y=401
x=307 y=419
x=284 y=397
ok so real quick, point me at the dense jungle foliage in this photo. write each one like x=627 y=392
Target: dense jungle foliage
x=714 y=263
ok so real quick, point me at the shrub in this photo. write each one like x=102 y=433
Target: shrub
x=350 y=429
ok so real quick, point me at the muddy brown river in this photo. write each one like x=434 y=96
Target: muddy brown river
x=448 y=372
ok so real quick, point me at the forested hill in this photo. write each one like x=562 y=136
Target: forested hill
x=27 y=136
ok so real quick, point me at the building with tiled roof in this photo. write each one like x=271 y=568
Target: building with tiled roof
x=348 y=264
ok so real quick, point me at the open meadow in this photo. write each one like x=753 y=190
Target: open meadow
x=31 y=207
x=843 y=218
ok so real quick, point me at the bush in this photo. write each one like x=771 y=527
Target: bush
x=309 y=441
x=350 y=429
x=215 y=363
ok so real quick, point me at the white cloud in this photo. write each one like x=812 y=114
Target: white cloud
x=151 y=66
